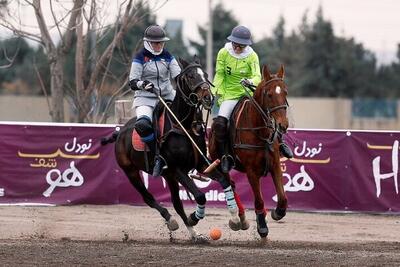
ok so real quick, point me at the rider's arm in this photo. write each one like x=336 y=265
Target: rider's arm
x=174 y=68
x=255 y=69
x=135 y=73
x=219 y=73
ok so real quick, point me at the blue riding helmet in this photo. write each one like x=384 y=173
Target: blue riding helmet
x=240 y=35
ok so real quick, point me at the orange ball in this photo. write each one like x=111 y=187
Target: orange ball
x=215 y=233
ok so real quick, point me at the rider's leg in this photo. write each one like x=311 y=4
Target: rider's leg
x=145 y=129
x=222 y=136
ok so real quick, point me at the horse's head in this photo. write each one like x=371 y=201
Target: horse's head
x=193 y=84
x=271 y=95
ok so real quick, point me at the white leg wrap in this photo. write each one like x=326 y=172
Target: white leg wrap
x=230 y=200
x=200 y=214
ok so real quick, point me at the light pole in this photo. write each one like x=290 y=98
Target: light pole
x=209 y=44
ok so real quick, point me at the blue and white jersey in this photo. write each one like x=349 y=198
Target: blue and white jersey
x=158 y=69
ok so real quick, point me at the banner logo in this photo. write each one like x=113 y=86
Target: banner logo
x=55 y=177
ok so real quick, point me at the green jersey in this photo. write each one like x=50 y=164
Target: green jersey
x=231 y=69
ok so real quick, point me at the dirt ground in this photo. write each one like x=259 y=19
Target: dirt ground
x=121 y=235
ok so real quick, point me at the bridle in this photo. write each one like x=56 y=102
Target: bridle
x=269 y=122
x=193 y=99
x=273 y=109
x=266 y=115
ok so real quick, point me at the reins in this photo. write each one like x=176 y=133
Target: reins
x=192 y=99
x=178 y=125
x=268 y=120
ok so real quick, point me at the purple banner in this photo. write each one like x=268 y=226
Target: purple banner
x=65 y=164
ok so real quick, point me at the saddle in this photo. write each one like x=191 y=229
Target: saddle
x=237 y=112
x=158 y=124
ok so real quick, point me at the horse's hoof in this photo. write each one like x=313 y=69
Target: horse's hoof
x=262 y=226
x=172 y=224
x=278 y=214
x=263 y=232
x=245 y=223
x=200 y=239
x=192 y=220
x=235 y=225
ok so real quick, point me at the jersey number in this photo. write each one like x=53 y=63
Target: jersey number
x=229 y=70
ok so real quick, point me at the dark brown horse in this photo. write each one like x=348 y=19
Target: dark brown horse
x=192 y=95
x=255 y=124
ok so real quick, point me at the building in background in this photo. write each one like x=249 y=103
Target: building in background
x=173 y=27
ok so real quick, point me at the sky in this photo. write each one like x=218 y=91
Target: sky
x=374 y=23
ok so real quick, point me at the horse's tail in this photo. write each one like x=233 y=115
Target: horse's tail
x=108 y=140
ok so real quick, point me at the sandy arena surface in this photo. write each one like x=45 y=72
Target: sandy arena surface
x=121 y=235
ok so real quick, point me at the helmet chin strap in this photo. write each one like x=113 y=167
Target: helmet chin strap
x=148 y=47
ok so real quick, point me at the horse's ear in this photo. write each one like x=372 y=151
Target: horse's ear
x=183 y=63
x=266 y=73
x=281 y=72
x=196 y=59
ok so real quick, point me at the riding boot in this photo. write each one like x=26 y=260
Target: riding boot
x=227 y=163
x=285 y=149
x=160 y=163
x=220 y=127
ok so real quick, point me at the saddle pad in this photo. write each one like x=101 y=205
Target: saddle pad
x=137 y=142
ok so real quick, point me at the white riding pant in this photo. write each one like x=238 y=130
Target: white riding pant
x=144 y=111
x=226 y=108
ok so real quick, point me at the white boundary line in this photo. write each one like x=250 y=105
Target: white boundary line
x=60 y=124
x=344 y=130
x=65 y=124
x=28 y=204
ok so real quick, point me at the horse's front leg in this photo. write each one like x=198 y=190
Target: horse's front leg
x=280 y=210
x=232 y=200
x=199 y=197
x=178 y=206
x=254 y=180
x=242 y=215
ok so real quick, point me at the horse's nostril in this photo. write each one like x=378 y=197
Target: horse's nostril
x=282 y=128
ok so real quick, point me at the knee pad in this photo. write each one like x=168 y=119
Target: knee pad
x=144 y=128
x=220 y=127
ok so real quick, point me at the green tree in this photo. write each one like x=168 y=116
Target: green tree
x=177 y=47
x=223 y=23
x=282 y=50
x=320 y=53
x=388 y=79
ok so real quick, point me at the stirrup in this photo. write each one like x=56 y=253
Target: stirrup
x=160 y=164
x=227 y=163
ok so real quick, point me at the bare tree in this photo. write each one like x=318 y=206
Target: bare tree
x=10 y=59
x=3 y=7
x=78 y=21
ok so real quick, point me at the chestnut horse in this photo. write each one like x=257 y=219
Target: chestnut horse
x=254 y=126
x=192 y=95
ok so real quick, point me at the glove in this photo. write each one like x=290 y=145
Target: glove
x=145 y=85
x=246 y=82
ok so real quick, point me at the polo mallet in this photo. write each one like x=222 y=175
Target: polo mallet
x=212 y=165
